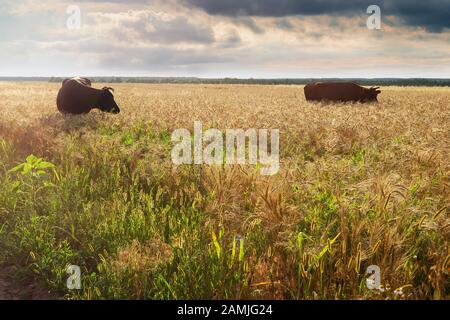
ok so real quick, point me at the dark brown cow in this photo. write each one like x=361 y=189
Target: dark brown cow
x=76 y=96
x=340 y=91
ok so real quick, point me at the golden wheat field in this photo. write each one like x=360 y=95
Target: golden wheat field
x=358 y=185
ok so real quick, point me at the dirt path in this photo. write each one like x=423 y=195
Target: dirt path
x=11 y=289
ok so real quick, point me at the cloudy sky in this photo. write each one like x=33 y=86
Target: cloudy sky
x=224 y=38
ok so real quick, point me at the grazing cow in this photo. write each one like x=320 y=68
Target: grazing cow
x=76 y=96
x=340 y=91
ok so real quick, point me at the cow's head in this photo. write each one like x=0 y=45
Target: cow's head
x=106 y=102
x=371 y=94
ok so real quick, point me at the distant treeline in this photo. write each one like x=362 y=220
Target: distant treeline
x=188 y=80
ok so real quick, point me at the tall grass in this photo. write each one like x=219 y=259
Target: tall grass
x=359 y=185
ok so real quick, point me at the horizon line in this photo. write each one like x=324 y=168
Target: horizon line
x=234 y=78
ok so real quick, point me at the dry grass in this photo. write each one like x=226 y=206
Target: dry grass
x=374 y=178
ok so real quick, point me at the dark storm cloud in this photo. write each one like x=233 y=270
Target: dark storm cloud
x=434 y=15
x=279 y=8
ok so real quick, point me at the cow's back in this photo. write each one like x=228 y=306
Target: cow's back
x=334 y=91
